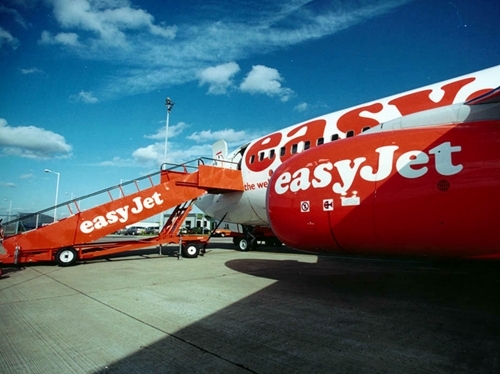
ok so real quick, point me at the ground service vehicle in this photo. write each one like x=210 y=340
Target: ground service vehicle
x=74 y=238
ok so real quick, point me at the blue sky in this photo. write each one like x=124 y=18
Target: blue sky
x=83 y=83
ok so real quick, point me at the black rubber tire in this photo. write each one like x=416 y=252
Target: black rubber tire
x=243 y=245
x=66 y=256
x=190 y=250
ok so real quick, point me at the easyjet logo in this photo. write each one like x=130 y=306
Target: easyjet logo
x=410 y=165
x=352 y=120
x=121 y=214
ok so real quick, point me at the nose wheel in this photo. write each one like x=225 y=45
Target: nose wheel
x=245 y=244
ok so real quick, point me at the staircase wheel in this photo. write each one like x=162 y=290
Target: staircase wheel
x=66 y=256
x=190 y=251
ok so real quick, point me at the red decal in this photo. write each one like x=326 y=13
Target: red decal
x=353 y=121
x=252 y=155
x=419 y=101
x=314 y=131
x=254 y=186
x=478 y=93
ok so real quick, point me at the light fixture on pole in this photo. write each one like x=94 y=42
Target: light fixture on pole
x=57 y=190
x=169 y=104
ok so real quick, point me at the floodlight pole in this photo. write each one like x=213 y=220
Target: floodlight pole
x=169 y=104
x=57 y=190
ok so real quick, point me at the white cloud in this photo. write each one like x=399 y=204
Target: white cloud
x=228 y=135
x=17 y=16
x=63 y=38
x=178 y=154
x=264 y=80
x=301 y=107
x=153 y=154
x=117 y=162
x=7 y=38
x=151 y=56
x=32 y=142
x=31 y=71
x=108 y=19
x=219 y=78
x=7 y=184
x=85 y=97
x=173 y=131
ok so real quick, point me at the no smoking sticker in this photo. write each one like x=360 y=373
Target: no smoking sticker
x=304 y=206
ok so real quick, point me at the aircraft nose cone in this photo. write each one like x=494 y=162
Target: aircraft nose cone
x=297 y=215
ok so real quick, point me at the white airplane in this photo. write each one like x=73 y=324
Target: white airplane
x=259 y=158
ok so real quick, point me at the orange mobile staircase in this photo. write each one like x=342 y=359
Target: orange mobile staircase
x=73 y=238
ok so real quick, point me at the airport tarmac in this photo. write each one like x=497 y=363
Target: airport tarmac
x=265 y=311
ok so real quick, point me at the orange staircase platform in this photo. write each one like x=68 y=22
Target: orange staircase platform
x=73 y=238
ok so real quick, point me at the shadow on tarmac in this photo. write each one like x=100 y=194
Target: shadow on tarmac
x=343 y=315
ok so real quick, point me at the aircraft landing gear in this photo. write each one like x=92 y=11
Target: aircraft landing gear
x=245 y=244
